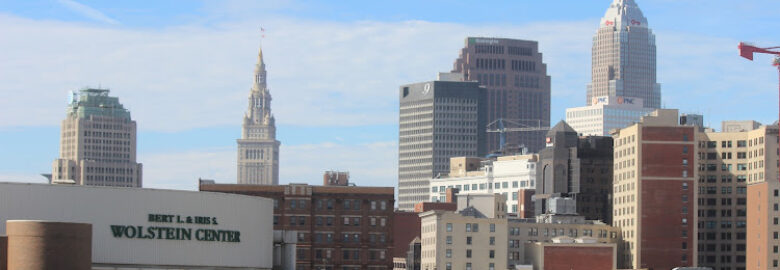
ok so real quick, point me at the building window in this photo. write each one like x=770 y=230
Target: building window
x=468 y=240
x=449 y=239
x=468 y=227
x=492 y=254
x=449 y=253
x=468 y=253
x=492 y=241
x=449 y=227
x=493 y=225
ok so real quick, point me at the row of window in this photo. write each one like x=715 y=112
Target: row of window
x=328 y=204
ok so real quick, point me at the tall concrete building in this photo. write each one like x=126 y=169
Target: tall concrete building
x=732 y=221
x=654 y=202
x=258 y=149
x=575 y=167
x=518 y=87
x=623 y=85
x=438 y=120
x=97 y=143
x=623 y=56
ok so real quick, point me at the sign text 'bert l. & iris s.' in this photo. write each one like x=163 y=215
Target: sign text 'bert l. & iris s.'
x=176 y=233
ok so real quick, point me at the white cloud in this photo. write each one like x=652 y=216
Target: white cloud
x=371 y=164
x=87 y=11
x=320 y=73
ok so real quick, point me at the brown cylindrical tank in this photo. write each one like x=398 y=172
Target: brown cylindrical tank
x=41 y=245
x=3 y=252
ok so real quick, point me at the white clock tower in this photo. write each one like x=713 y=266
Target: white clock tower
x=258 y=149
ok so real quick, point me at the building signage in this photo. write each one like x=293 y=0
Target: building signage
x=597 y=100
x=177 y=233
x=485 y=41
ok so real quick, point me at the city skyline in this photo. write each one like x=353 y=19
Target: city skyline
x=185 y=79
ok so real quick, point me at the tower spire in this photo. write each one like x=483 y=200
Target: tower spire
x=260 y=73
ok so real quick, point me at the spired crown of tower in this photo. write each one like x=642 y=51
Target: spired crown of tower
x=624 y=56
x=258 y=149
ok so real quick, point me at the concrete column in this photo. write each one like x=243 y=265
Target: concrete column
x=40 y=245
x=3 y=252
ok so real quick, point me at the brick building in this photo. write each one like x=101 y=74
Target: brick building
x=339 y=227
x=571 y=254
x=654 y=192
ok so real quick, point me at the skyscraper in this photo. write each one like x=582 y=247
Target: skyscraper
x=624 y=57
x=97 y=143
x=438 y=120
x=258 y=149
x=518 y=87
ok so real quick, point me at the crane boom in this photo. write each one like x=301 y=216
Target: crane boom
x=501 y=129
x=747 y=51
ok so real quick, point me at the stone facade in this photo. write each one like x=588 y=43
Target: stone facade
x=624 y=56
x=438 y=120
x=518 y=87
x=258 y=149
x=97 y=143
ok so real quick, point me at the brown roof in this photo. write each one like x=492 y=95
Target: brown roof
x=280 y=188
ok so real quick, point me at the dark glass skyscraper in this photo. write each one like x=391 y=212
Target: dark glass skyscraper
x=518 y=87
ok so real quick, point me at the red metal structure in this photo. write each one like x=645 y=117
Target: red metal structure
x=747 y=51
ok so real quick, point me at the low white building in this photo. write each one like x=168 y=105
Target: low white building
x=506 y=176
x=137 y=228
x=605 y=114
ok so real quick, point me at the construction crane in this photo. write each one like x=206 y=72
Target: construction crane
x=500 y=126
x=746 y=50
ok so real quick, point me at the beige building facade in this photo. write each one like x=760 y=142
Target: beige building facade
x=728 y=162
x=456 y=240
x=258 y=149
x=763 y=197
x=97 y=143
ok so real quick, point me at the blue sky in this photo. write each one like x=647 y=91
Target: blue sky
x=184 y=70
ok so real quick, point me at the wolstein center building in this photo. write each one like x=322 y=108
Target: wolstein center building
x=153 y=229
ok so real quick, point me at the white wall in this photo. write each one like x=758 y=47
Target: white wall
x=106 y=206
